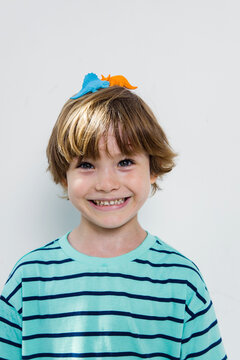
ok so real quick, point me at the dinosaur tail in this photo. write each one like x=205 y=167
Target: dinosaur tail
x=122 y=81
x=131 y=87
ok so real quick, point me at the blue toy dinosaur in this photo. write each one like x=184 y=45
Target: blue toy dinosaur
x=91 y=83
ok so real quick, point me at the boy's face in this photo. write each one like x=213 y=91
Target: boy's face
x=109 y=178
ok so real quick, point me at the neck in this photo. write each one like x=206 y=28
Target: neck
x=90 y=238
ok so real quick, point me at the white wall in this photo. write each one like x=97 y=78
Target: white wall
x=184 y=57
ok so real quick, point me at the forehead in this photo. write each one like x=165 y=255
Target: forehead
x=114 y=151
x=111 y=144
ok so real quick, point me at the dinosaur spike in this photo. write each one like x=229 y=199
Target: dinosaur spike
x=89 y=77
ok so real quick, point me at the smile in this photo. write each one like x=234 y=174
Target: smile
x=110 y=205
x=111 y=202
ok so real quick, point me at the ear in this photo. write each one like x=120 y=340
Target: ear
x=64 y=183
x=153 y=178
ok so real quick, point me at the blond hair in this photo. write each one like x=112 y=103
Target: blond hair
x=83 y=121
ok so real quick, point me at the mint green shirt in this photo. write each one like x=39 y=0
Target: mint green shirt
x=149 y=303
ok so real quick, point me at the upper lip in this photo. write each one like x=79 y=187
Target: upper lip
x=113 y=199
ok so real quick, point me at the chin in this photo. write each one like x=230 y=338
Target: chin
x=111 y=226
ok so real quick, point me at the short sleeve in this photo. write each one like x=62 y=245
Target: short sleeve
x=11 y=319
x=201 y=339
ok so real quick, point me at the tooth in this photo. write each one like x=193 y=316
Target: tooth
x=111 y=202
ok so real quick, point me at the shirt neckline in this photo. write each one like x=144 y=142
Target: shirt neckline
x=103 y=261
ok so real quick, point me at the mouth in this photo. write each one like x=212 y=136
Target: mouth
x=110 y=205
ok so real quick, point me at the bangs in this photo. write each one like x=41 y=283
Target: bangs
x=85 y=125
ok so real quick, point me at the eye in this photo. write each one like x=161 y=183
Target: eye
x=87 y=165
x=126 y=161
x=82 y=165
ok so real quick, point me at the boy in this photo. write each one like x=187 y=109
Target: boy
x=108 y=288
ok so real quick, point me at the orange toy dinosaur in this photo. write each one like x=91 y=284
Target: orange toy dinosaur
x=118 y=80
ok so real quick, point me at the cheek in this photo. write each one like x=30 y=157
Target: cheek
x=76 y=188
x=140 y=184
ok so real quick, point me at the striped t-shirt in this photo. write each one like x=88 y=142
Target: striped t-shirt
x=151 y=303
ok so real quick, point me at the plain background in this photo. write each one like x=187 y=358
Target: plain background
x=184 y=57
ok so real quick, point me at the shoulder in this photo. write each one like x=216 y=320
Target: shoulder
x=172 y=258
x=35 y=264
x=174 y=265
x=27 y=263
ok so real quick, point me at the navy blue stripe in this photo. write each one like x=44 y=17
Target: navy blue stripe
x=5 y=301
x=59 y=247
x=167 y=265
x=189 y=312
x=199 y=333
x=45 y=248
x=107 y=274
x=50 y=243
x=169 y=252
x=12 y=343
x=101 y=333
x=102 y=313
x=30 y=262
x=97 y=355
x=103 y=293
x=199 y=353
x=14 y=291
x=175 y=253
x=50 y=262
x=10 y=323
x=202 y=312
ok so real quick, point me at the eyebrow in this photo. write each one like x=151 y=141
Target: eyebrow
x=118 y=155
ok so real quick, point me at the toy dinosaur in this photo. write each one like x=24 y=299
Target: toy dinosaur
x=91 y=83
x=119 y=80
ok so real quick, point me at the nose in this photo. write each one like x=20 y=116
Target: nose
x=107 y=180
